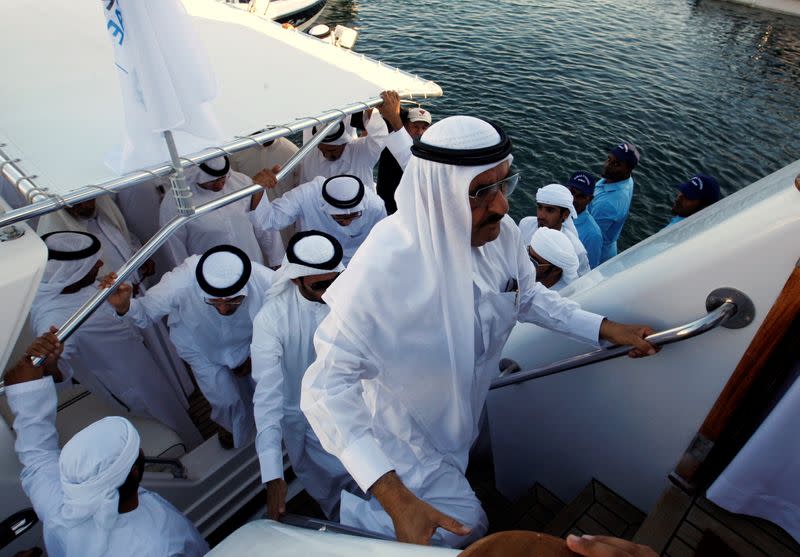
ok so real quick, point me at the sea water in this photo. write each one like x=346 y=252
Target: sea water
x=701 y=86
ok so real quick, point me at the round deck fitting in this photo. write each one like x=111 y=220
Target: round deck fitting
x=11 y=233
x=745 y=309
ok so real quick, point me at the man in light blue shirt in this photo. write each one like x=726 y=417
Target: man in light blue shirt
x=581 y=185
x=698 y=193
x=612 y=196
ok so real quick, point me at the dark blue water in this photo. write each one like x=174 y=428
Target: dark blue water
x=700 y=85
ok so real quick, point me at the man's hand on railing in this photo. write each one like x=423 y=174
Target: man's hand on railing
x=46 y=346
x=623 y=334
x=120 y=298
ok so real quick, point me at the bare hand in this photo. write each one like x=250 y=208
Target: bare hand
x=415 y=521
x=148 y=269
x=120 y=298
x=604 y=546
x=390 y=109
x=46 y=346
x=267 y=178
x=276 y=498
x=623 y=334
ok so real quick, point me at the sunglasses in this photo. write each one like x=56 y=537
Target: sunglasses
x=237 y=301
x=506 y=186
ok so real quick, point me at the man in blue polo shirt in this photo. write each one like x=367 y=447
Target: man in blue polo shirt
x=581 y=185
x=698 y=193
x=612 y=196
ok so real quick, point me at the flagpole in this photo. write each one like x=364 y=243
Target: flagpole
x=177 y=179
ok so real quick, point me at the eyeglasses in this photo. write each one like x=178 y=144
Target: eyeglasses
x=347 y=216
x=237 y=301
x=507 y=186
x=541 y=268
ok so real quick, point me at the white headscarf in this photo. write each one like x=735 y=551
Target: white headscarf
x=341 y=135
x=197 y=174
x=411 y=279
x=62 y=220
x=59 y=273
x=558 y=195
x=93 y=465
x=312 y=247
x=223 y=339
x=342 y=190
x=556 y=248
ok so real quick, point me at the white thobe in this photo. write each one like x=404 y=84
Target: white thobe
x=399 y=143
x=211 y=359
x=227 y=225
x=252 y=161
x=762 y=480
x=351 y=403
x=529 y=225
x=305 y=206
x=110 y=359
x=358 y=159
x=155 y=527
x=282 y=350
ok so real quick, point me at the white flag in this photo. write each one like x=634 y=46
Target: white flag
x=166 y=80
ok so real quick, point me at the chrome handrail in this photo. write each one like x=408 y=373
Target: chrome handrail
x=83 y=313
x=713 y=319
x=42 y=202
x=322 y=525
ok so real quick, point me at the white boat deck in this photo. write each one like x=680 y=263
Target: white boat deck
x=790 y=7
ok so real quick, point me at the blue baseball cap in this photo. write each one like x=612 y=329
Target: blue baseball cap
x=628 y=153
x=701 y=186
x=583 y=182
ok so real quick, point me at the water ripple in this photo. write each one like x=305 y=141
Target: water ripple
x=700 y=86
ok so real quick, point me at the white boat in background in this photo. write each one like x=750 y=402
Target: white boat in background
x=622 y=422
x=300 y=14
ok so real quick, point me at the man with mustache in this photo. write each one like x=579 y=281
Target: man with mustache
x=416 y=328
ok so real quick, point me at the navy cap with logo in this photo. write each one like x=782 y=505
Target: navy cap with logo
x=628 y=153
x=583 y=182
x=702 y=187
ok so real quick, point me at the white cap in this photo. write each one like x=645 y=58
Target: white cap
x=419 y=115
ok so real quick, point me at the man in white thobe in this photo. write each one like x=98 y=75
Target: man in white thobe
x=210 y=302
x=553 y=257
x=282 y=349
x=343 y=152
x=415 y=332
x=226 y=225
x=106 y=356
x=269 y=155
x=87 y=495
x=102 y=218
x=340 y=206
x=554 y=209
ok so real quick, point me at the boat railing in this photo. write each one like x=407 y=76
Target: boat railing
x=86 y=310
x=43 y=202
x=726 y=307
x=322 y=525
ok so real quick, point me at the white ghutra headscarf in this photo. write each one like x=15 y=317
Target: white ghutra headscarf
x=93 y=465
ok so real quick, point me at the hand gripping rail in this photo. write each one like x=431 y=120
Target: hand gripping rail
x=726 y=306
x=83 y=313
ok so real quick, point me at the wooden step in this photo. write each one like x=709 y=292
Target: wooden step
x=596 y=510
